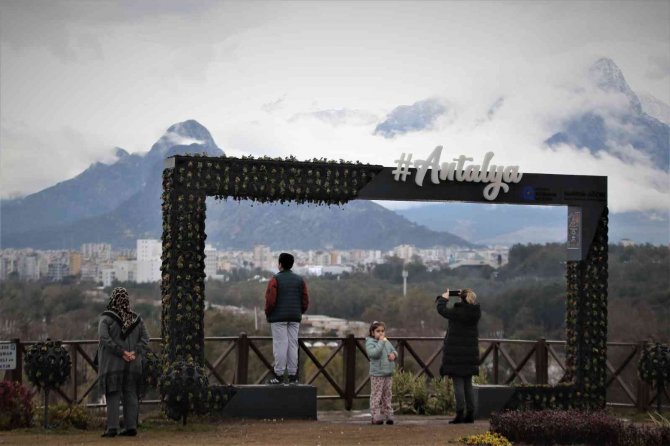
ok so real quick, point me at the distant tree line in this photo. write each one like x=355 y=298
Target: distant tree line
x=525 y=299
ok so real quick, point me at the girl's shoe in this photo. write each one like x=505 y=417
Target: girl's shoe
x=390 y=421
x=377 y=421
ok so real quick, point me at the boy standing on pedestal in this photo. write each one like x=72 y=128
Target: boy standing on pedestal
x=286 y=299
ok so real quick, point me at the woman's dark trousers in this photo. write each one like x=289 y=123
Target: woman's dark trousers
x=131 y=409
x=464 y=394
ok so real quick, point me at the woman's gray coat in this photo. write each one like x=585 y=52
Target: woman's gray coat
x=113 y=372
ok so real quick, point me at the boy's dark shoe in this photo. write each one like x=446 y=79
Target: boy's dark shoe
x=293 y=379
x=128 y=433
x=109 y=433
x=274 y=380
x=390 y=421
x=458 y=419
x=469 y=416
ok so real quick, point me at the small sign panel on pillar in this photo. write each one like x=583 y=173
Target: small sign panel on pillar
x=574 y=233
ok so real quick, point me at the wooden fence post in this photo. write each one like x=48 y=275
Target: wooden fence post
x=73 y=353
x=242 y=373
x=18 y=371
x=541 y=362
x=496 y=362
x=643 y=397
x=349 y=371
x=401 y=354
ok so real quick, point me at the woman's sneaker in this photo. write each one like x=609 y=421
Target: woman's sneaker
x=293 y=379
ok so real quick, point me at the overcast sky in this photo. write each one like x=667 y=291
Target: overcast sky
x=313 y=79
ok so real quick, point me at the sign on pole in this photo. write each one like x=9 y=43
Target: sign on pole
x=8 y=356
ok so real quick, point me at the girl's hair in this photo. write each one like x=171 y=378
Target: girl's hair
x=468 y=295
x=374 y=325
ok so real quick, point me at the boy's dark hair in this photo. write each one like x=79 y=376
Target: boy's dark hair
x=286 y=260
x=374 y=325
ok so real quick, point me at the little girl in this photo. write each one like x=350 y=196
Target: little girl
x=382 y=363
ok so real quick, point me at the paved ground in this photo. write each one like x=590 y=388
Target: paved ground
x=332 y=428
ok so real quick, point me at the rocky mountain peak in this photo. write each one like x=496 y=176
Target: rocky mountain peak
x=120 y=153
x=607 y=76
x=185 y=133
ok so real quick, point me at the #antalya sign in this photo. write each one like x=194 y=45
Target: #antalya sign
x=497 y=177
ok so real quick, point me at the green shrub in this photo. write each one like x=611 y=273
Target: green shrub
x=402 y=391
x=575 y=427
x=62 y=416
x=422 y=396
x=184 y=389
x=481 y=378
x=16 y=407
x=419 y=394
x=654 y=365
x=47 y=364
x=443 y=399
x=152 y=369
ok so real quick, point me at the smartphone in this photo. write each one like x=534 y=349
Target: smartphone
x=454 y=293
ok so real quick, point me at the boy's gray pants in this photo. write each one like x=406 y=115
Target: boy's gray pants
x=285 y=347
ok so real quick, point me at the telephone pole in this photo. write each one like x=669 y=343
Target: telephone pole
x=404 y=282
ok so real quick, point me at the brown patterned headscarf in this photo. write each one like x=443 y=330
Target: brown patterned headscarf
x=119 y=304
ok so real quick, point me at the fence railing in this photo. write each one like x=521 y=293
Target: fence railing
x=338 y=366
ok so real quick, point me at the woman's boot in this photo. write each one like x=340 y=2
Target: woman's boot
x=469 y=416
x=458 y=419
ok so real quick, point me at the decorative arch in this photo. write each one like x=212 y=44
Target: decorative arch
x=188 y=180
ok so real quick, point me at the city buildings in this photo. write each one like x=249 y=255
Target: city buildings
x=148 y=261
x=101 y=264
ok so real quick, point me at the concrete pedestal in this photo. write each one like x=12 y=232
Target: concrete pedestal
x=491 y=398
x=272 y=401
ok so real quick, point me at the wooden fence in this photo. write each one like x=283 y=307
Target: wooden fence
x=338 y=366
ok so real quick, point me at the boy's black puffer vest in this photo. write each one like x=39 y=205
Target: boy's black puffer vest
x=289 y=298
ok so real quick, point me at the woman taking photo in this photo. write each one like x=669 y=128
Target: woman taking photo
x=460 y=354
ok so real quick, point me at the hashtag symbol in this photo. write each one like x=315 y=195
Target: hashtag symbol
x=401 y=172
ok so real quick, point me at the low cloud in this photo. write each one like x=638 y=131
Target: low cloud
x=273 y=106
x=338 y=117
x=175 y=139
x=659 y=67
x=33 y=160
x=419 y=116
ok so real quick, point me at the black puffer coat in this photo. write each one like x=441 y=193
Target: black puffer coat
x=460 y=354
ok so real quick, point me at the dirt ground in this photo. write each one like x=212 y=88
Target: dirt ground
x=337 y=428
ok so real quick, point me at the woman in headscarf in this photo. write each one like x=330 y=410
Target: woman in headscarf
x=123 y=343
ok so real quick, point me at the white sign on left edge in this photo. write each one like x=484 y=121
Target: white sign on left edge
x=7 y=356
x=496 y=176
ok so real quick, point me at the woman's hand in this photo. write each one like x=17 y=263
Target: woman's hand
x=128 y=356
x=446 y=294
x=391 y=356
